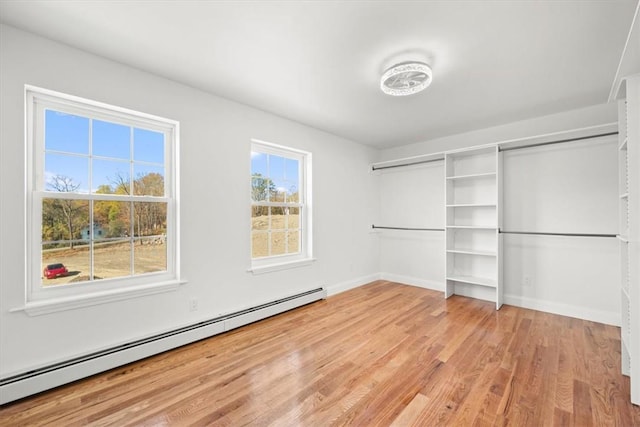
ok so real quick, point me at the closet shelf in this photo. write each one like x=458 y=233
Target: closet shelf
x=483 y=281
x=471 y=252
x=475 y=175
x=472 y=205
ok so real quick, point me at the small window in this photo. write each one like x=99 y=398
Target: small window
x=102 y=195
x=280 y=213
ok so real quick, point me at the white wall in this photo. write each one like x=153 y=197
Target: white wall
x=569 y=188
x=412 y=197
x=215 y=146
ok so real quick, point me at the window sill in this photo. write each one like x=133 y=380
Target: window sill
x=37 y=308
x=281 y=266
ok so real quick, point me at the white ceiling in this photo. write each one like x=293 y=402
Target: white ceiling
x=319 y=63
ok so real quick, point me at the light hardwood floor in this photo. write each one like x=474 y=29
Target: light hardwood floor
x=382 y=354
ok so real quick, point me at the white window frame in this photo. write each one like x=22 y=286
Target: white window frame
x=305 y=256
x=41 y=299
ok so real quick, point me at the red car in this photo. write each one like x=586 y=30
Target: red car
x=52 y=271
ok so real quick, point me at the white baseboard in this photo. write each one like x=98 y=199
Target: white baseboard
x=413 y=281
x=351 y=284
x=606 y=317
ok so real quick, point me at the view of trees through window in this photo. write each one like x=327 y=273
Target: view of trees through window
x=276 y=205
x=96 y=221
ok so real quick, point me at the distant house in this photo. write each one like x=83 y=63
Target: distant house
x=98 y=232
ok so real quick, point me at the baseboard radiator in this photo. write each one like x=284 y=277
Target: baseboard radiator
x=28 y=383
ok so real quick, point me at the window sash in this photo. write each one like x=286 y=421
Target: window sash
x=36 y=115
x=37 y=290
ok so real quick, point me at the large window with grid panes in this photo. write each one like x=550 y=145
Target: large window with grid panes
x=280 y=205
x=102 y=192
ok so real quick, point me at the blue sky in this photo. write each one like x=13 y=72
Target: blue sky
x=67 y=140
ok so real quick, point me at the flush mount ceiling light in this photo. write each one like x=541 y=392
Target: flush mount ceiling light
x=406 y=78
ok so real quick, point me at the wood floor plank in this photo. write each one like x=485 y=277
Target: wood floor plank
x=382 y=354
x=565 y=374
x=582 y=404
x=410 y=413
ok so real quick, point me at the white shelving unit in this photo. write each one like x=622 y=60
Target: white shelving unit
x=623 y=236
x=629 y=234
x=473 y=218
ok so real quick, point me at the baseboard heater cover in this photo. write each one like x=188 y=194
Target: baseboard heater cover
x=28 y=383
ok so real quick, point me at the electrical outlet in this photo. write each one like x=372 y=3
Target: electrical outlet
x=193 y=304
x=526 y=281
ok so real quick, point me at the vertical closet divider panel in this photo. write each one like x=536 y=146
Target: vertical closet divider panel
x=623 y=237
x=629 y=223
x=499 y=236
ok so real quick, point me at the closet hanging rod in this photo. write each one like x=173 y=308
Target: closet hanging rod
x=539 y=144
x=407 y=228
x=500 y=148
x=376 y=168
x=538 y=233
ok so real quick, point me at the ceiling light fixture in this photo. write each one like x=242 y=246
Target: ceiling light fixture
x=406 y=78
